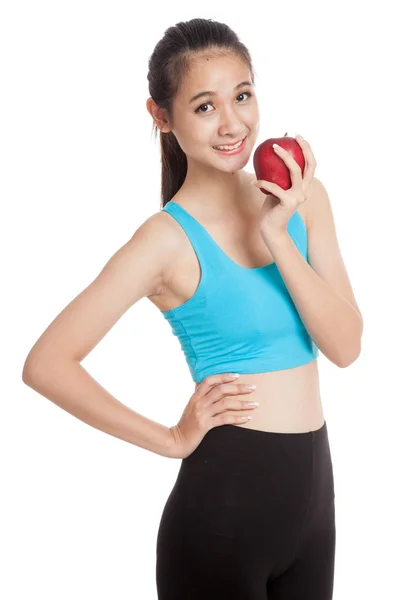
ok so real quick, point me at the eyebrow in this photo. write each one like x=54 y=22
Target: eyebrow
x=201 y=94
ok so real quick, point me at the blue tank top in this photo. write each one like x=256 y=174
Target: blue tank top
x=240 y=319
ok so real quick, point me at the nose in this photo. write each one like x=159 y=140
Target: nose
x=230 y=124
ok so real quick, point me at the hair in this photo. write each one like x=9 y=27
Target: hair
x=168 y=65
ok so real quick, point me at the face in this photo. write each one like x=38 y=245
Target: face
x=224 y=118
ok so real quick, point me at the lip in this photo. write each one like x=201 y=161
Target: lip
x=232 y=152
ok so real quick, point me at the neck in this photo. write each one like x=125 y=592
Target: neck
x=216 y=190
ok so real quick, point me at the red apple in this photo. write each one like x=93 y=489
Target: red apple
x=269 y=166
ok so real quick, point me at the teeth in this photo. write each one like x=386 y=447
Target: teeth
x=229 y=147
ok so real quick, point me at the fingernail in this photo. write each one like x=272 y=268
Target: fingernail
x=254 y=182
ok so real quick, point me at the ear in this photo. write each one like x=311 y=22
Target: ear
x=158 y=115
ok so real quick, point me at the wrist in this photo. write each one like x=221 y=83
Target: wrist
x=275 y=239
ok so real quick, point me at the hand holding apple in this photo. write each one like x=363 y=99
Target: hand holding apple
x=269 y=165
x=279 y=164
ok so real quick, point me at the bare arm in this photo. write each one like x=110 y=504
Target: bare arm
x=52 y=367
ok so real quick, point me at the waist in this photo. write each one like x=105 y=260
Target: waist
x=289 y=400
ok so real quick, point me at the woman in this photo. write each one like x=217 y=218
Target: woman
x=251 y=283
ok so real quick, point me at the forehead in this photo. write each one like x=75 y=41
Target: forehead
x=216 y=73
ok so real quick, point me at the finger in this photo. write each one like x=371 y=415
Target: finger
x=291 y=163
x=309 y=158
x=272 y=188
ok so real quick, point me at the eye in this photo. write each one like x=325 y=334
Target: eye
x=207 y=103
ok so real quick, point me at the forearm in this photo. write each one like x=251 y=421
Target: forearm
x=72 y=388
x=331 y=321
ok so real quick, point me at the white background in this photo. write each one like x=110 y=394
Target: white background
x=80 y=172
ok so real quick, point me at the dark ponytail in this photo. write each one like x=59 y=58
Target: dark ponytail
x=168 y=66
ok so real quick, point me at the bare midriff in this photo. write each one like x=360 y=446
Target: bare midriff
x=289 y=400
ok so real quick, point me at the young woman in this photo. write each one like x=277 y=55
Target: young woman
x=252 y=284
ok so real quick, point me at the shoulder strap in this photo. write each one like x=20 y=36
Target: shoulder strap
x=197 y=235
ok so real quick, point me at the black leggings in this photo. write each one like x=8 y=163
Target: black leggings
x=251 y=516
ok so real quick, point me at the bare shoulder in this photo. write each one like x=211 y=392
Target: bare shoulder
x=158 y=242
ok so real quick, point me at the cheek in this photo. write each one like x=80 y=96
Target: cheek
x=256 y=129
x=254 y=114
x=195 y=142
x=189 y=136
x=199 y=134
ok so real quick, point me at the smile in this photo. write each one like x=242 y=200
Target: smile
x=225 y=149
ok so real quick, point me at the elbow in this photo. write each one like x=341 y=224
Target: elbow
x=352 y=350
x=347 y=359
x=28 y=372
x=347 y=363
x=34 y=366
x=39 y=366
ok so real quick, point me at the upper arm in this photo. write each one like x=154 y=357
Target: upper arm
x=324 y=253
x=133 y=272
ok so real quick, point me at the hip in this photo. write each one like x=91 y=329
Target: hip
x=240 y=486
